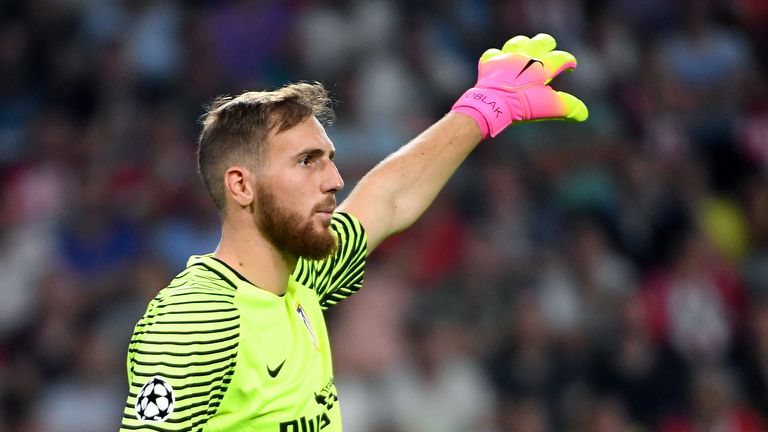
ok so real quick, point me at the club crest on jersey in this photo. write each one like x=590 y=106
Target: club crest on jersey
x=305 y=319
x=155 y=400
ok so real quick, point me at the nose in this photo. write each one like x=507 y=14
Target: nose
x=333 y=182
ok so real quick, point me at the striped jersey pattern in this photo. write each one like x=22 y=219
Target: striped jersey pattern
x=188 y=341
x=189 y=334
x=341 y=275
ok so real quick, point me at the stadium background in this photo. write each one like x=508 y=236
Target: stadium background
x=606 y=276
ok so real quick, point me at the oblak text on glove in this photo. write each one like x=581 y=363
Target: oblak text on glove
x=482 y=98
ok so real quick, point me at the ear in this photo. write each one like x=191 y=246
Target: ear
x=238 y=185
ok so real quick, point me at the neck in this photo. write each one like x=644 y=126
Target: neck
x=246 y=250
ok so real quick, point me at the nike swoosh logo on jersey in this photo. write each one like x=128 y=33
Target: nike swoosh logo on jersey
x=529 y=64
x=273 y=372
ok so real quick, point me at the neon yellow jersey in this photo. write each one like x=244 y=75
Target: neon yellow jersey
x=215 y=353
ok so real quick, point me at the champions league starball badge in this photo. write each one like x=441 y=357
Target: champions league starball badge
x=155 y=400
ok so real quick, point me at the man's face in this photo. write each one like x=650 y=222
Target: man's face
x=296 y=195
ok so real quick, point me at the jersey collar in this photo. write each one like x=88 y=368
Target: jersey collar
x=231 y=275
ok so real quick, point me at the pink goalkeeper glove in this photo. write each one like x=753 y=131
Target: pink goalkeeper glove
x=512 y=86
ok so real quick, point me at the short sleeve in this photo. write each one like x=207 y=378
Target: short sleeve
x=340 y=275
x=180 y=360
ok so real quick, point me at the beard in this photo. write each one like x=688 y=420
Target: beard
x=287 y=231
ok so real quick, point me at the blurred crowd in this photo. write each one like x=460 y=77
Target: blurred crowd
x=610 y=276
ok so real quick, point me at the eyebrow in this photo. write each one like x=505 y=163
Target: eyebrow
x=316 y=152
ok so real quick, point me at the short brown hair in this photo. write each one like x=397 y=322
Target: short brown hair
x=235 y=128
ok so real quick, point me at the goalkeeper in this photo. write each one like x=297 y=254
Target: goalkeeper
x=237 y=341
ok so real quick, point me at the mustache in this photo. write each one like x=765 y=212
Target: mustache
x=329 y=205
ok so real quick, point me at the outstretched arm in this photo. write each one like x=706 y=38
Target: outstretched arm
x=511 y=87
x=397 y=191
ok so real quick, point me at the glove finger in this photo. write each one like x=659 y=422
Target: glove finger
x=545 y=103
x=557 y=61
x=490 y=53
x=516 y=45
x=574 y=107
x=540 y=45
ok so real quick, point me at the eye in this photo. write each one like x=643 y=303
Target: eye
x=305 y=160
